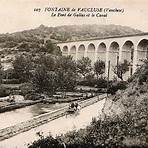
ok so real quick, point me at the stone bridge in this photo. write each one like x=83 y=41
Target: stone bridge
x=133 y=48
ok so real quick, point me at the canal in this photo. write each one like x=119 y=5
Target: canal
x=56 y=127
x=11 y=118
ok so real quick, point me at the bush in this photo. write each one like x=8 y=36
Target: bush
x=48 y=142
x=142 y=78
x=10 y=74
x=3 y=92
x=87 y=83
x=114 y=87
x=23 y=46
x=26 y=88
x=10 y=44
x=33 y=96
x=100 y=83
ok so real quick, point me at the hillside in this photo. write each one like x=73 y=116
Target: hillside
x=132 y=105
x=65 y=33
x=72 y=33
x=136 y=92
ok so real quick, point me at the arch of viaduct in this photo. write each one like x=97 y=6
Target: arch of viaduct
x=133 y=48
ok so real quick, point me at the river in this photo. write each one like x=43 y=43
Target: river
x=56 y=127
x=23 y=114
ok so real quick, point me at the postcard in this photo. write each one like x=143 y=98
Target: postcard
x=73 y=73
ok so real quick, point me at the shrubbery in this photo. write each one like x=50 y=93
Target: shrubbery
x=110 y=132
x=10 y=74
x=33 y=96
x=143 y=77
x=115 y=86
x=99 y=83
x=3 y=92
x=26 y=88
x=48 y=142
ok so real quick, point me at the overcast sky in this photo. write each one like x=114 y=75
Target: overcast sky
x=17 y=15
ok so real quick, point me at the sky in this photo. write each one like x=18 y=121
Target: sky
x=18 y=15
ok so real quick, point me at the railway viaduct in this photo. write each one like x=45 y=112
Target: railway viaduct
x=133 y=48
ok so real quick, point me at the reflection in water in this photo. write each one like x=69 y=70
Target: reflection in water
x=19 y=115
x=56 y=127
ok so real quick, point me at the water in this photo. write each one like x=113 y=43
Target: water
x=56 y=127
x=19 y=115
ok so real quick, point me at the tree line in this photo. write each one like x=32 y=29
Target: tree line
x=49 y=73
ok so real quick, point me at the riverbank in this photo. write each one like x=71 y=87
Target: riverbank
x=14 y=106
x=42 y=119
x=8 y=104
x=69 y=98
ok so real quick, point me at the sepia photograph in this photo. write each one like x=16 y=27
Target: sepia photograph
x=74 y=74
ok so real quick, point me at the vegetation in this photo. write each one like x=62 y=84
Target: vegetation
x=46 y=73
x=22 y=67
x=128 y=129
x=121 y=69
x=54 y=74
x=99 y=68
x=49 y=74
x=42 y=69
x=66 y=73
x=64 y=33
x=84 y=67
x=114 y=86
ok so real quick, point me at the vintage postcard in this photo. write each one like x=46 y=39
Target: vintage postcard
x=73 y=73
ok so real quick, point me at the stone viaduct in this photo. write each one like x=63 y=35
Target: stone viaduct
x=133 y=48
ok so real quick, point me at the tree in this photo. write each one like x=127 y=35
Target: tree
x=66 y=73
x=23 y=67
x=121 y=69
x=47 y=60
x=44 y=80
x=44 y=75
x=84 y=66
x=54 y=73
x=99 y=67
x=51 y=48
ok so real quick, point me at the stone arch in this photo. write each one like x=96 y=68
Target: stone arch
x=142 y=50
x=101 y=51
x=114 y=47
x=59 y=48
x=91 y=52
x=65 y=51
x=127 y=53
x=81 y=51
x=72 y=52
x=113 y=53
